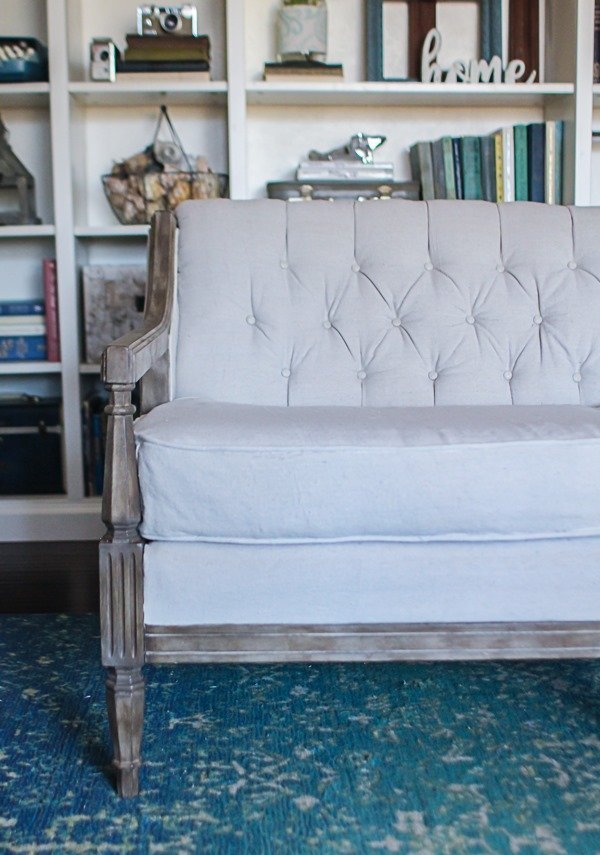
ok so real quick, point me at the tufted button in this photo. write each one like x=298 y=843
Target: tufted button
x=572 y=265
x=577 y=377
x=396 y=322
x=537 y=319
x=433 y=375
x=428 y=265
x=470 y=319
x=500 y=268
x=251 y=320
x=507 y=375
x=356 y=267
x=284 y=265
x=361 y=375
x=327 y=325
x=285 y=372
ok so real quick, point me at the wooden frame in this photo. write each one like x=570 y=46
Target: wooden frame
x=421 y=19
x=127 y=643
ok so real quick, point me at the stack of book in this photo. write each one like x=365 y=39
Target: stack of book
x=520 y=163
x=166 y=54
x=303 y=71
x=29 y=328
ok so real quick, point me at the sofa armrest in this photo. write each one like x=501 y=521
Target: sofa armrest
x=128 y=359
x=139 y=353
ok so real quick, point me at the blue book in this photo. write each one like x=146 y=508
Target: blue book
x=22 y=307
x=17 y=347
x=458 y=175
x=536 y=161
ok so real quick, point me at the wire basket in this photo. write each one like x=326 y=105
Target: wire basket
x=135 y=198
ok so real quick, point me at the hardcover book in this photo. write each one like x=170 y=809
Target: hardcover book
x=51 y=301
x=421 y=164
x=471 y=167
x=113 y=304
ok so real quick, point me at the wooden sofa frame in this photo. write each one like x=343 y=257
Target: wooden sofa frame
x=127 y=643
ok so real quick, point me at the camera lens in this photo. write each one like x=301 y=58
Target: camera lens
x=170 y=22
x=104 y=55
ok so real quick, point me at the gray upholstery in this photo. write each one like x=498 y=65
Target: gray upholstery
x=250 y=473
x=388 y=304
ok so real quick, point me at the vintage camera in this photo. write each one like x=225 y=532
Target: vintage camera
x=167 y=20
x=103 y=59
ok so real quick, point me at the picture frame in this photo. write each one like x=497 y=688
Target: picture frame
x=421 y=18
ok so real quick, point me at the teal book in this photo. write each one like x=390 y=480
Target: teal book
x=488 y=169
x=439 y=174
x=471 y=167
x=521 y=171
x=559 y=153
x=490 y=19
x=449 y=167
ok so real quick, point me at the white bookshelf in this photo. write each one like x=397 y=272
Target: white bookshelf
x=70 y=131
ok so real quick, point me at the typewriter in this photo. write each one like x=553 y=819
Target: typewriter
x=22 y=59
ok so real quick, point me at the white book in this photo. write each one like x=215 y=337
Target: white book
x=7 y=322
x=550 y=165
x=508 y=164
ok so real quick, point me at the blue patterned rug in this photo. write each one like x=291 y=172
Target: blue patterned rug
x=420 y=759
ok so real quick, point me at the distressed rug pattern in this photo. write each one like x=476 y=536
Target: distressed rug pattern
x=464 y=758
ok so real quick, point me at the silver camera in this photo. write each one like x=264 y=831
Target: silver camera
x=167 y=20
x=103 y=59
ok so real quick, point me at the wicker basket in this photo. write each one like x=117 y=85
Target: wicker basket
x=134 y=199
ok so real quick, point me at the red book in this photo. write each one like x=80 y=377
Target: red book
x=51 y=301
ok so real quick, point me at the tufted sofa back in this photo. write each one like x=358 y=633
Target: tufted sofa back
x=389 y=303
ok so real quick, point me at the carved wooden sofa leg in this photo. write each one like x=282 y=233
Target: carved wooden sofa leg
x=121 y=594
x=125 y=701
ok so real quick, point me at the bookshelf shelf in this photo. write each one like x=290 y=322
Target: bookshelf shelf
x=407 y=94
x=149 y=91
x=24 y=94
x=117 y=231
x=30 y=367
x=40 y=231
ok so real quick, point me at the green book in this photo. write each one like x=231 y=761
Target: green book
x=488 y=169
x=471 y=167
x=520 y=155
x=559 y=152
x=449 y=167
x=422 y=168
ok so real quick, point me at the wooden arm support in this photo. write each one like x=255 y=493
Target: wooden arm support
x=143 y=353
x=126 y=360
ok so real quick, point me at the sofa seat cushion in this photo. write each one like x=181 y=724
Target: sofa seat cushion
x=243 y=473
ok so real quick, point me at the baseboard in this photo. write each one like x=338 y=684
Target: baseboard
x=55 y=576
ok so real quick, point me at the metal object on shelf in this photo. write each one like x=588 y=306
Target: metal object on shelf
x=296 y=191
x=167 y=20
x=359 y=147
x=103 y=60
x=15 y=179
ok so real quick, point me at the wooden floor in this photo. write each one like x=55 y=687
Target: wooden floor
x=49 y=577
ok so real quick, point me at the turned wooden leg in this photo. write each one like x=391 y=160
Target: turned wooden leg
x=125 y=700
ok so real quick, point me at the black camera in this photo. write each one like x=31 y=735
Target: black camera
x=167 y=20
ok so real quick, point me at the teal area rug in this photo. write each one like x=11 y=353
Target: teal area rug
x=378 y=758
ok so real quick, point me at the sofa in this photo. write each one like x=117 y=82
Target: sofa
x=368 y=431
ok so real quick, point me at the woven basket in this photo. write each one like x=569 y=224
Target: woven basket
x=136 y=198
